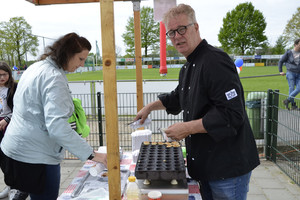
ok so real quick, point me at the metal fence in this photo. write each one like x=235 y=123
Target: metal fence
x=283 y=135
x=127 y=109
x=275 y=128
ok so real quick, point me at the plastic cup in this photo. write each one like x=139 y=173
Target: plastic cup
x=154 y=195
x=96 y=169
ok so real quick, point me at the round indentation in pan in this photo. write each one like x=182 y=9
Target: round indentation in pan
x=158 y=168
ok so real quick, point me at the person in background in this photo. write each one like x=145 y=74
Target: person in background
x=34 y=142
x=291 y=58
x=221 y=149
x=7 y=90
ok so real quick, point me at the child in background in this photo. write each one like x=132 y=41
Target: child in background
x=7 y=90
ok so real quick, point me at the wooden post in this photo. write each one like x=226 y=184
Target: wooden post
x=138 y=55
x=110 y=98
x=50 y=2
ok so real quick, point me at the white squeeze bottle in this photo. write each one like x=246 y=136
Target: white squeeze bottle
x=132 y=190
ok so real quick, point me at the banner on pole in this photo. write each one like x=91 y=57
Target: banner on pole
x=161 y=7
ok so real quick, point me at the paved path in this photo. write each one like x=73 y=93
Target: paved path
x=268 y=182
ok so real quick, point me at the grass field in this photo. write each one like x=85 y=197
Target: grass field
x=249 y=84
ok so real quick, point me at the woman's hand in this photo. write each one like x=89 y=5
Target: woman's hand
x=100 y=157
x=3 y=124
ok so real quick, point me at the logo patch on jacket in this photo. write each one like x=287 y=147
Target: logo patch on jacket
x=230 y=94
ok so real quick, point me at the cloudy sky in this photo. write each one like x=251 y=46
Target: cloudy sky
x=53 y=21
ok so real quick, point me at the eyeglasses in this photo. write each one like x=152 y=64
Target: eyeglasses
x=3 y=75
x=180 y=30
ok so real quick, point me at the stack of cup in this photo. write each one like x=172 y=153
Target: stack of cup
x=138 y=137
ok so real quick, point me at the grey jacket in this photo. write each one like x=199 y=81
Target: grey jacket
x=39 y=128
x=289 y=61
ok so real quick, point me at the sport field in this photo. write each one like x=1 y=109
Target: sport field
x=249 y=84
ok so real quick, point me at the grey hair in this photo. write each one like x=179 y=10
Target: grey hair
x=178 y=10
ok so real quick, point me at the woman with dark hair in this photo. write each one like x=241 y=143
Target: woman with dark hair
x=7 y=90
x=34 y=143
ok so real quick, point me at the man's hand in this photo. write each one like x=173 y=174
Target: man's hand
x=178 y=131
x=142 y=114
x=181 y=130
x=145 y=111
x=282 y=73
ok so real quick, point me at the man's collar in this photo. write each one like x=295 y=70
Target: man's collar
x=196 y=50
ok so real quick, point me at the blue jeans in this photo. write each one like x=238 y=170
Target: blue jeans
x=51 y=189
x=227 y=189
x=293 y=81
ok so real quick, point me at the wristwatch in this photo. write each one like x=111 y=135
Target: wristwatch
x=92 y=156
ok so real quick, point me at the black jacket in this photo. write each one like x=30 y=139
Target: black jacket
x=290 y=63
x=209 y=88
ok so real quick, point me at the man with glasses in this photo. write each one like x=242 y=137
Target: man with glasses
x=221 y=150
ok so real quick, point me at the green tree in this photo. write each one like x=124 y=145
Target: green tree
x=172 y=52
x=265 y=49
x=5 y=50
x=149 y=32
x=292 y=29
x=18 y=39
x=243 y=29
x=280 y=46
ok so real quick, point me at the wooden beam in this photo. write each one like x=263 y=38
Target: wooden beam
x=110 y=98
x=49 y=2
x=138 y=55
